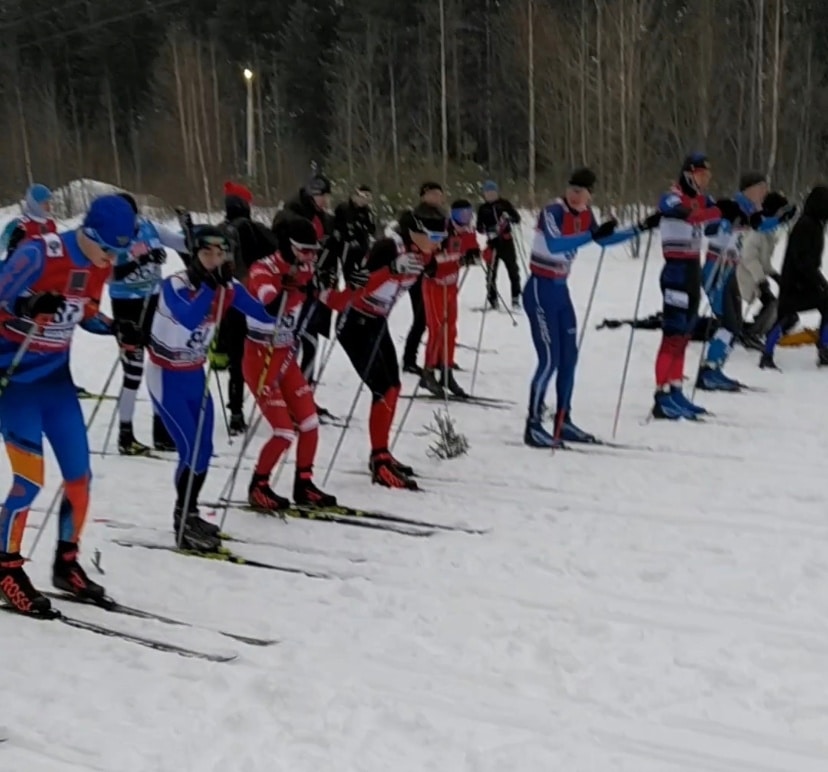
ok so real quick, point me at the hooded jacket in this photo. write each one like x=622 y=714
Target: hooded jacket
x=802 y=268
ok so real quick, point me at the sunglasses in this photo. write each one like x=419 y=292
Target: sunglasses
x=93 y=235
x=435 y=237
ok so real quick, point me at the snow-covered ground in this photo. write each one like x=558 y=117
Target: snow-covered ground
x=653 y=610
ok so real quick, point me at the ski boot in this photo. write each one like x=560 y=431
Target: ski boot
x=429 y=382
x=448 y=381
x=305 y=493
x=536 y=436
x=198 y=535
x=822 y=356
x=412 y=368
x=18 y=591
x=68 y=575
x=766 y=362
x=690 y=408
x=128 y=445
x=385 y=472
x=237 y=425
x=712 y=378
x=569 y=432
x=261 y=496
x=667 y=408
x=161 y=439
x=516 y=303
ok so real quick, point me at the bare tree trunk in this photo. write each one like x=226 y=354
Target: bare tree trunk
x=205 y=182
x=599 y=84
x=777 y=67
x=531 y=88
x=443 y=94
x=216 y=105
x=803 y=137
x=113 y=136
x=488 y=78
x=202 y=103
x=24 y=134
x=458 y=112
x=582 y=74
x=182 y=109
x=277 y=121
x=395 y=138
x=257 y=84
x=349 y=127
x=760 y=78
x=622 y=76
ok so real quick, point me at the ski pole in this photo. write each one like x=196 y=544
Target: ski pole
x=591 y=298
x=205 y=398
x=508 y=310
x=362 y=378
x=482 y=321
x=18 y=357
x=632 y=333
x=223 y=406
x=715 y=274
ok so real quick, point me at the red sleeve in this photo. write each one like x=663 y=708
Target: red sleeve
x=263 y=282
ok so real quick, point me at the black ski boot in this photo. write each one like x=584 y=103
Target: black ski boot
x=18 y=591
x=822 y=356
x=198 y=534
x=305 y=493
x=448 y=381
x=68 y=575
x=412 y=368
x=127 y=444
x=385 y=472
x=428 y=381
x=261 y=496
x=767 y=363
x=237 y=425
x=161 y=439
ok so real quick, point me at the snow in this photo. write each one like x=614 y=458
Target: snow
x=629 y=611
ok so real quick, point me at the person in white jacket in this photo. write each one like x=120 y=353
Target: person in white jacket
x=755 y=268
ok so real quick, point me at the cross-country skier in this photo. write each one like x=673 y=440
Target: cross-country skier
x=398 y=262
x=802 y=285
x=439 y=287
x=251 y=241
x=191 y=305
x=755 y=269
x=563 y=227
x=133 y=288
x=431 y=194
x=35 y=221
x=271 y=369
x=354 y=228
x=495 y=218
x=743 y=212
x=686 y=210
x=49 y=285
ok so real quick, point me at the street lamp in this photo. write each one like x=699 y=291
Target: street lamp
x=251 y=150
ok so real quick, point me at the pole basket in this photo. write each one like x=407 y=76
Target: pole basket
x=449 y=444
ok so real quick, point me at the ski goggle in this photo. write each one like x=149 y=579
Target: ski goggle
x=93 y=235
x=203 y=242
x=305 y=252
x=435 y=237
x=462 y=216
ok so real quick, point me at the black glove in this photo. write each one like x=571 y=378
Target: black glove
x=274 y=307
x=158 y=256
x=359 y=277
x=128 y=333
x=755 y=220
x=224 y=273
x=42 y=304
x=472 y=257
x=605 y=229
x=649 y=222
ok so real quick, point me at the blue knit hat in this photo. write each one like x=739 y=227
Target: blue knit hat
x=490 y=186
x=110 y=223
x=36 y=196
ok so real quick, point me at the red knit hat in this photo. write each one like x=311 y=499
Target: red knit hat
x=239 y=191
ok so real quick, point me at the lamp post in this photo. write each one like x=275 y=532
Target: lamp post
x=251 y=137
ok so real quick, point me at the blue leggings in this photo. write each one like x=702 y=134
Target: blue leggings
x=554 y=328
x=177 y=396
x=28 y=412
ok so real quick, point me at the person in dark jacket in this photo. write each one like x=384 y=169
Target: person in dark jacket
x=313 y=203
x=431 y=194
x=802 y=285
x=495 y=218
x=251 y=241
x=354 y=229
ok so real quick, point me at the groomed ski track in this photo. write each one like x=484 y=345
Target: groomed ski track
x=629 y=610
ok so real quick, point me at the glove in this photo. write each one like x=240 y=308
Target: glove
x=44 y=304
x=730 y=210
x=224 y=273
x=274 y=307
x=407 y=263
x=755 y=220
x=128 y=333
x=158 y=256
x=472 y=257
x=185 y=219
x=649 y=222
x=359 y=277
x=605 y=229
